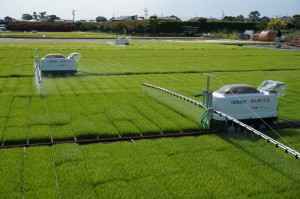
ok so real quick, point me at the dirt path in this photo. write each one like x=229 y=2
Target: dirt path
x=273 y=47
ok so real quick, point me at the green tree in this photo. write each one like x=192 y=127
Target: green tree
x=263 y=22
x=265 y=19
x=296 y=20
x=35 y=16
x=101 y=19
x=153 y=23
x=42 y=15
x=228 y=18
x=26 y=17
x=274 y=24
x=52 y=18
x=232 y=18
x=254 y=16
x=240 y=18
x=296 y=17
x=202 y=19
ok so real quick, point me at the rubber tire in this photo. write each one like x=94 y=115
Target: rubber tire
x=262 y=127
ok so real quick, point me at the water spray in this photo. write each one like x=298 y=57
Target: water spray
x=37 y=75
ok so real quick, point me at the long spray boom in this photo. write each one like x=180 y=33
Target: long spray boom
x=229 y=118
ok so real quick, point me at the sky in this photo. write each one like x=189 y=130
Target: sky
x=184 y=9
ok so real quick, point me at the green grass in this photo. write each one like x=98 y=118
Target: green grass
x=58 y=35
x=94 y=35
x=113 y=104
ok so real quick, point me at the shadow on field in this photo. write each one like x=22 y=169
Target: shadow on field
x=266 y=153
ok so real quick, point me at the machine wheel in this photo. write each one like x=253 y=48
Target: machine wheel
x=47 y=74
x=262 y=127
x=251 y=125
x=69 y=74
x=218 y=125
x=72 y=73
x=240 y=129
x=231 y=129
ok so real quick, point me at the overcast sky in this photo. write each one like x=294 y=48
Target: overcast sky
x=184 y=9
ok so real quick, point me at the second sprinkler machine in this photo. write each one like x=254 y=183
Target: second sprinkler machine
x=57 y=64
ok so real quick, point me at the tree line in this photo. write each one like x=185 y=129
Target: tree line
x=42 y=16
x=155 y=26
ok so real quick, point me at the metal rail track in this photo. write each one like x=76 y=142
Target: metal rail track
x=132 y=138
x=116 y=139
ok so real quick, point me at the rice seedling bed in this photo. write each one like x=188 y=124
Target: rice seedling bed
x=160 y=57
x=85 y=111
x=75 y=34
x=108 y=106
x=62 y=132
x=39 y=174
x=187 y=167
x=129 y=109
x=11 y=171
x=15 y=135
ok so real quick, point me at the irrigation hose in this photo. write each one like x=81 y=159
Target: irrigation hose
x=205 y=119
x=289 y=121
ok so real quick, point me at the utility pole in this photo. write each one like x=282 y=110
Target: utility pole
x=73 y=13
x=146 y=13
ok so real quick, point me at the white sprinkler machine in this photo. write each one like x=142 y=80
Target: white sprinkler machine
x=58 y=64
x=246 y=103
x=122 y=41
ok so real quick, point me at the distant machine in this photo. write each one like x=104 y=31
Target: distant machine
x=122 y=41
x=59 y=65
x=2 y=27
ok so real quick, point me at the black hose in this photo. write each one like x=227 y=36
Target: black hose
x=289 y=121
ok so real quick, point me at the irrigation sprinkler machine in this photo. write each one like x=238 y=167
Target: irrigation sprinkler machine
x=57 y=64
x=122 y=41
x=256 y=107
x=239 y=107
x=245 y=104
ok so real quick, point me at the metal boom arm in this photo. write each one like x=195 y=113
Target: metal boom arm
x=245 y=126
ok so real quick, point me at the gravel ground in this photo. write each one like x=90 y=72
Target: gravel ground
x=110 y=40
x=273 y=47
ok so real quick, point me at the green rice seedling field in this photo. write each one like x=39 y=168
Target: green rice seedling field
x=71 y=35
x=108 y=100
